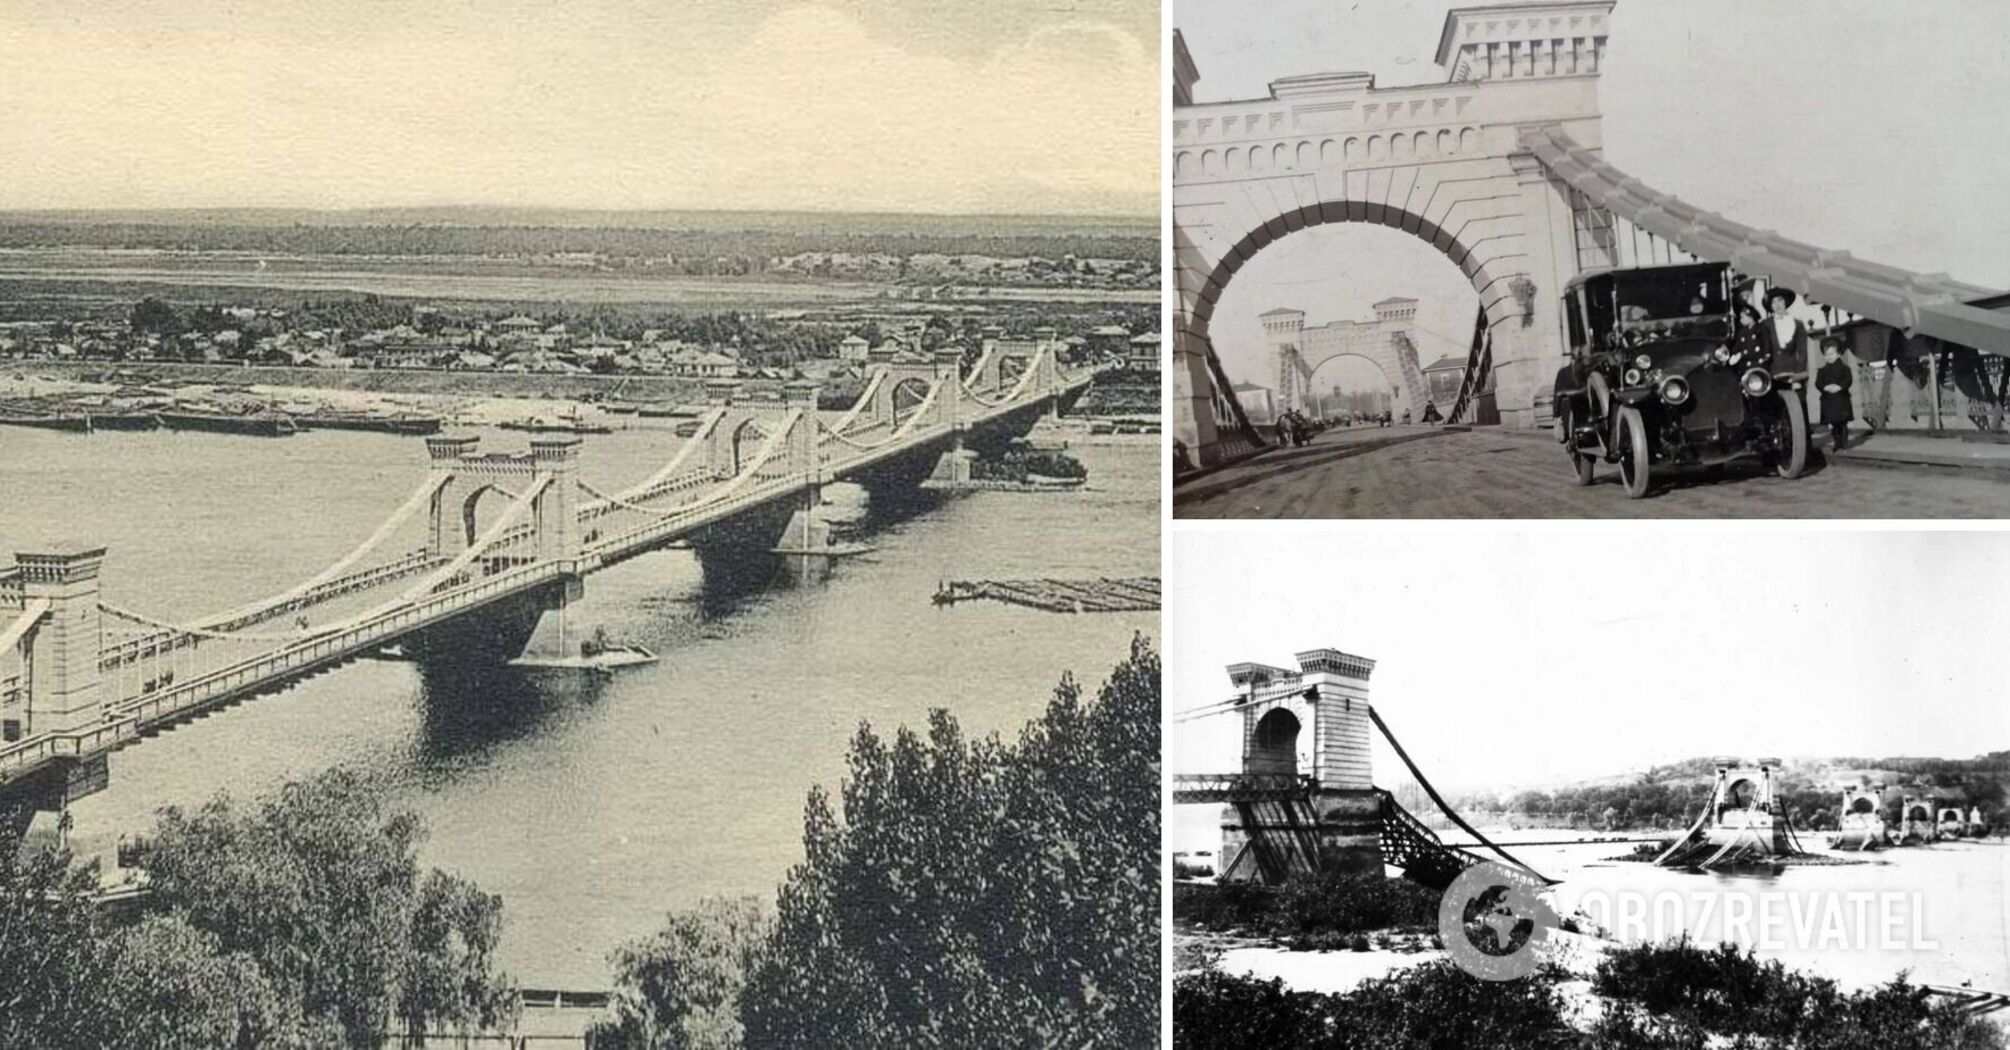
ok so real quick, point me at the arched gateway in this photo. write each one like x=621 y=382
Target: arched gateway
x=1384 y=342
x=1443 y=162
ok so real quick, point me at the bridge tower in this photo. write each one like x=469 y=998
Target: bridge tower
x=1862 y=819
x=549 y=477
x=953 y=468
x=62 y=683
x=446 y=536
x=1745 y=820
x=1311 y=724
x=807 y=536
x=555 y=511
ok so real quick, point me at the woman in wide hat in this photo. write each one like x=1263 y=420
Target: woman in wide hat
x=1782 y=338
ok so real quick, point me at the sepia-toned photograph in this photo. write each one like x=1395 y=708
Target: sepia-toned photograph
x=1470 y=795
x=603 y=524
x=1589 y=259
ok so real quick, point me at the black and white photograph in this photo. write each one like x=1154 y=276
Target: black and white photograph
x=1750 y=791
x=601 y=524
x=1589 y=259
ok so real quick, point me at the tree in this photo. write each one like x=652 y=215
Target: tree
x=975 y=894
x=50 y=970
x=321 y=886
x=168 y=984
x=449 y=974
x=680 y=989
x=152 y=315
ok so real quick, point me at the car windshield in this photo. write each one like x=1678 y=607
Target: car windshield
x=1670 y=296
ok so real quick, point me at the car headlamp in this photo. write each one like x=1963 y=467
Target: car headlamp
x=1631 y=377
x=1643 y=361
x=1757 y=382
x=1674 y=390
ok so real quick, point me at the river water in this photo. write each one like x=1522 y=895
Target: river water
x=1949 y=903
x=591 y=808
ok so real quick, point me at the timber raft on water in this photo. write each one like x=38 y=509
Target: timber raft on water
x=1133 y=594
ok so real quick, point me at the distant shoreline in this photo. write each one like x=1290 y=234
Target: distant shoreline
x=1142 y=224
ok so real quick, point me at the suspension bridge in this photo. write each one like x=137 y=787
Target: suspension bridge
x=1500 y=167
x=1305 y=800
x=82 y=675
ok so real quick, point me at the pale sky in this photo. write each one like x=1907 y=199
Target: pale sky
x=1871 y=126
x=1532 y=658
x=1015 y=106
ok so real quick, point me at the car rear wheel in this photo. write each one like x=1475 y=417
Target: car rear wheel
x=1583 y=463
x=1635 y=471
x=1791 y=459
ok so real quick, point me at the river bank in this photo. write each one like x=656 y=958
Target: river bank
x=436 y=382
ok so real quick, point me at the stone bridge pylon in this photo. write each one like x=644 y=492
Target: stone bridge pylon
x=1444 y=162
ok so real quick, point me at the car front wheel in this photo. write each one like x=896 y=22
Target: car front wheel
x=1635 y=471
x=1791 y=433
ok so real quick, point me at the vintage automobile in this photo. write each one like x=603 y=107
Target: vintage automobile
x=1660 y=376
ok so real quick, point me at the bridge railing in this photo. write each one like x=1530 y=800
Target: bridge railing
x=1240 y=787
x=324 y=648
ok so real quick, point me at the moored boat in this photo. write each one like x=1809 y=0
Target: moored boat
x=540 y=425
x=399 y=423
x=123 y=419
x=258 y=424
x=76 y=422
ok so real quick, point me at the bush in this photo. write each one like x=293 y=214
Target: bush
x=1308 y=907
x=1729 y=991
x=1434 y=1005
x=1439 y=1005
x=1216 y=1010
x=1224 y=906
x=1350 y=902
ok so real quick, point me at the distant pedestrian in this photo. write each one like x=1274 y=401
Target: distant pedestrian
x=1284 y=430
x=1833 y=380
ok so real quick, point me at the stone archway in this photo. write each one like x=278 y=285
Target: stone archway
x=1443 y=162
x=1389 y=380
x=471 y=509
x=909 y=394
x=1273 y=744
x=746 y=443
